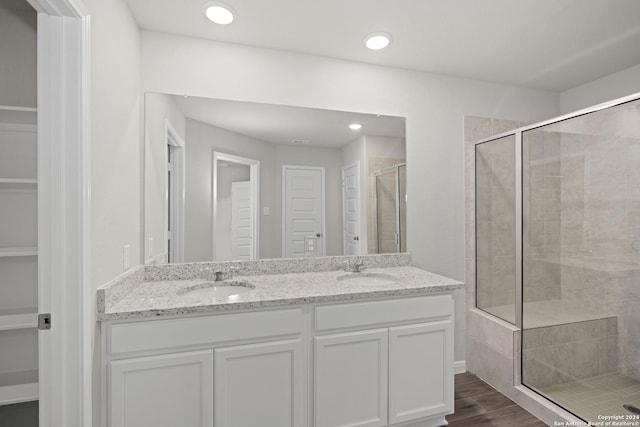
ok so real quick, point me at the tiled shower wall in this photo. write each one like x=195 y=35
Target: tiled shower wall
x=495 y=222
x=475 y=129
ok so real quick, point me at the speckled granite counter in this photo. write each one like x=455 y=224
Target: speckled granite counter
x=162 y=294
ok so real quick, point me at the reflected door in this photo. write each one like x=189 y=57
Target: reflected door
x=351 y=209
x=241 y=221
x=303 y=199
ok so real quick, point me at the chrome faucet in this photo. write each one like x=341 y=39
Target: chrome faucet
x=220 y=274
x=356 y=267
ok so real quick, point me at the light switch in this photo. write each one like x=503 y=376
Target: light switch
x=266 y=210
x=310 y=244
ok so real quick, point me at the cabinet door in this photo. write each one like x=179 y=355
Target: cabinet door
x=260 y=385
x=350 y=379
x=420 y=371
x=162 y=391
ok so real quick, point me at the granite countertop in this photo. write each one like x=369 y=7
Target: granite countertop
x=167 y=297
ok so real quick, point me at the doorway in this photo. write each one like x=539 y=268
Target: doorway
x=351 y=221
x=235 y=198
x=303 y=201
x=174 y=220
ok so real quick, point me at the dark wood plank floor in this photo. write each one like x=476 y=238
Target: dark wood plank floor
x=480 y=405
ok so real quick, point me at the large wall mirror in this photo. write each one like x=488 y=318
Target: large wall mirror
x=230 y=180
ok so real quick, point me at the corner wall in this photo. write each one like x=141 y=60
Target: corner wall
x=616 y=85
x=116 y=155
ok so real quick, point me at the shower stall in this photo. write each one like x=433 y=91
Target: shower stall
x=557 y=255
x=391 y=209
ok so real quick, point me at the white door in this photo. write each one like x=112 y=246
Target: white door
x=350 y=379
x=420 y=371
x=162 y=391
x=260 y=385
x=241 y=220
x=303 y=219
x=351 y=209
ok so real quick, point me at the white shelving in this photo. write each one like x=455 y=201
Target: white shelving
x=18 y=255
x=18 y=181
x=18 y=318
x=18 y=387
x=19 y=251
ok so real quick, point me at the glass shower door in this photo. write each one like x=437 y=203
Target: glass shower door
x=581 y=262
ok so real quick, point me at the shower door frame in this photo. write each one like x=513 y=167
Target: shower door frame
x=518 y=132
x=386 y=170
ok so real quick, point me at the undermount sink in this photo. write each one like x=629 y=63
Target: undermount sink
x=368 y=278
x=217 y=290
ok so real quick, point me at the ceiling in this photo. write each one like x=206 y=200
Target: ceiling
x=280 y=124
x=546 y=44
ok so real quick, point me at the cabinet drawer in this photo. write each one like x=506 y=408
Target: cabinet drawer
x=360 y=314
x=192 y=331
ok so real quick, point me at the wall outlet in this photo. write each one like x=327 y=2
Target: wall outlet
x=149 y=247
x=126 y=257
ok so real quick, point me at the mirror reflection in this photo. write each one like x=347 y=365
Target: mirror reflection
x=230 y=180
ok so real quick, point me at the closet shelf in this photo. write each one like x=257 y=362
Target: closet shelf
x=23 y=320
x=19 y=251
x=18 y=181
x=18 y=387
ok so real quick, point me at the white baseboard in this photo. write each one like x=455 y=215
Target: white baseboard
x=459 y=367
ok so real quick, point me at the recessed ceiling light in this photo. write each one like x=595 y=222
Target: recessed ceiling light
x=377 y=41
x=219 y=13
x=355 y=126
x=300 y=141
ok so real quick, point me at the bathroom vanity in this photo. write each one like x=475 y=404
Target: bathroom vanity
x=321 y=348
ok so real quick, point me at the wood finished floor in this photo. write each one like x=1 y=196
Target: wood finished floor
x=480 y=405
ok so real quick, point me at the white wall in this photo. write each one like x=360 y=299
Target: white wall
x=18 y=55
x=382 y=146
x=116 y=145
x=433 y=105
x=158 y=108
x=616 y=85
x=331 y=160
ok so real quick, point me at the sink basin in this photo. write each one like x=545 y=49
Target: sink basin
x=367 y=279
x=217 y=290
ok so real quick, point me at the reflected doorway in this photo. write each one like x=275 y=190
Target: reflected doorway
x=235 y=207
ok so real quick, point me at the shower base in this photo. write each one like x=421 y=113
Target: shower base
x=598 y=396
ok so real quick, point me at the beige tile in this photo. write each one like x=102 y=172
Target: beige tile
x=491 y=366
x=477 y=128
x=499 y=125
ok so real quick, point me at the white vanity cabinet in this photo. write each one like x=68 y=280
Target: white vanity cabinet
x=373 y=376
x=164 y=390
x=231 y=370
x=385 y=362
